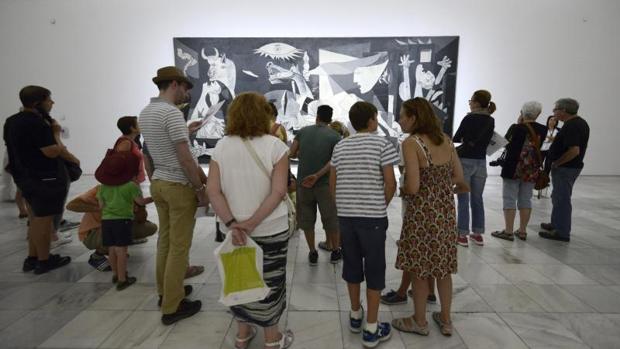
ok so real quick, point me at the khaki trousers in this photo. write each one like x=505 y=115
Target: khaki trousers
x=176 y=206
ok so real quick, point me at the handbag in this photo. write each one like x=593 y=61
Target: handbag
x=292 y=212
x=241 y=272
x=73 y=170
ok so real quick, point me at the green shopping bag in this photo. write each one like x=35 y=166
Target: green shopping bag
x=241 y=272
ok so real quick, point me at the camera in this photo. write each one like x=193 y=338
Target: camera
x=498 y=162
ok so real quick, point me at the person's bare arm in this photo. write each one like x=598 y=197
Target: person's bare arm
x=142 y=201
x=216 y=197
x=412 y=167
x=294 y=150
x=568 y=155
x=124 y=145
x=389 y=187
x=191 y=170
x=310 y=180
x=460 y=186
x=332 y=181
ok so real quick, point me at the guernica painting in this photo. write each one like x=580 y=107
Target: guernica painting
x=299 y=74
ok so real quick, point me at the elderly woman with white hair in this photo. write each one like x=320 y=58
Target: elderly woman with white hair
x=520 y=170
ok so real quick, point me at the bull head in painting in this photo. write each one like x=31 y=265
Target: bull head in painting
x=221 y=69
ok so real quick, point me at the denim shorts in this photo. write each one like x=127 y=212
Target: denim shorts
x=517 y=193
x=363 y=250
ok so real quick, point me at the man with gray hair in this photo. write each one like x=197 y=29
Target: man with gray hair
x=566 y=161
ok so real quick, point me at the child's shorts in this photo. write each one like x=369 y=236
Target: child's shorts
x=363 y=250
x=116 y=232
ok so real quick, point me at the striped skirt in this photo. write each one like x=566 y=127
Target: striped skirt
x=267 y=312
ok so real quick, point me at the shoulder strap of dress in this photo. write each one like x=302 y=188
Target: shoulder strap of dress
x=427 y=153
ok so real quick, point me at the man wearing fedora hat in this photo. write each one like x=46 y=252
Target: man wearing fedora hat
x=177 y=187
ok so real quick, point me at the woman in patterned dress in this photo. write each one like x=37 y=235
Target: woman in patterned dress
x=427 y=245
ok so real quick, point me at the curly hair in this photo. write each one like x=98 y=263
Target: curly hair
x=248 y=116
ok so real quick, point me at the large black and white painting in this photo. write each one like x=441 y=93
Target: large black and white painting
x=299 y=74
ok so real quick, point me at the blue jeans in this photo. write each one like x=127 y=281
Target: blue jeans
x=475 y=173
x=563 y=179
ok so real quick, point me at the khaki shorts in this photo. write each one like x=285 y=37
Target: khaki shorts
x=307 y=201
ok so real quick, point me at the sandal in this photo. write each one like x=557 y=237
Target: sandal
x=285 y=342
x=521 y=235
x=402 y=325
x=503 y=235
x=444 y=328
x=194 y=270
x=242 y=343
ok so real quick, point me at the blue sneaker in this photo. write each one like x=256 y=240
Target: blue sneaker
x=355 y=325
x=384 y=332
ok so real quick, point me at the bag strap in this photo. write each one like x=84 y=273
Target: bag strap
x=536 y=140
x=252 y=152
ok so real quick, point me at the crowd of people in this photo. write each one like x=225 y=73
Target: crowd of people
x=350 y=179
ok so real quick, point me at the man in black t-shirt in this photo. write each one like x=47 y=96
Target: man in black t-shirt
x=565 y=159
x=35 y=149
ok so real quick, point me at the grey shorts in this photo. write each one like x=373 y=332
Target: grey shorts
x=307 y=201
x=517 y=194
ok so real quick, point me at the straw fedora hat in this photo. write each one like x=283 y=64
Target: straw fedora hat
x=171 y=73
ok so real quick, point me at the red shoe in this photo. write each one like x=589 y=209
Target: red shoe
x=477 y=239
x=462 y=240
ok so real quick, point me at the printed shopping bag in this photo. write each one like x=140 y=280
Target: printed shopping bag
x=241 y=272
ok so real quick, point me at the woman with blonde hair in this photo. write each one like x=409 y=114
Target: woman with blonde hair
x=248 y=203
x=427 y=245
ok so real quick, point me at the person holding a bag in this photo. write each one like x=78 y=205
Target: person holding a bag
x=35 y=152
x=520 y=170
x=247 y=183
x=474 y=133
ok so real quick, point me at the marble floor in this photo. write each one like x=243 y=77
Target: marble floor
x=537 y=294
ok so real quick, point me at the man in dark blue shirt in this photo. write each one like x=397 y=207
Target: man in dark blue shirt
x=566 y=162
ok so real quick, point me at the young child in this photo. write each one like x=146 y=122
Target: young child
x=363 y=182
x=117 y=194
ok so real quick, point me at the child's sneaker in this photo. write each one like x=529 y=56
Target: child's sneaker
x=462 y=240
x=393 y=298
x=477 y=239
x=99 y=262
x=383 y=333
x=355 y=325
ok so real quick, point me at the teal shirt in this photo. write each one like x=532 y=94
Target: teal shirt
x=118 y=200
x=316 y=144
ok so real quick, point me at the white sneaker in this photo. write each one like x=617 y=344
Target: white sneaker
x=65 y=235
x=61 y=241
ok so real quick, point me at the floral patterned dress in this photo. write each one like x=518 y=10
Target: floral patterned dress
x=427 y=245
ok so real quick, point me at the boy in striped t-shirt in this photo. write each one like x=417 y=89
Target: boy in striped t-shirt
x=363 y=183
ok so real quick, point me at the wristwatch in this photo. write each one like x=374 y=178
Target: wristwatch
x=200 y=188
x=230 y=222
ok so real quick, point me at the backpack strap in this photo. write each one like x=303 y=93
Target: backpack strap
x=534 y=138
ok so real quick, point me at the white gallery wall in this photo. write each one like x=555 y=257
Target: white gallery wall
x=98 y=56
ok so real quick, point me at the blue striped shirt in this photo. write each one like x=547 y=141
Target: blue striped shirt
x=359 y=162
